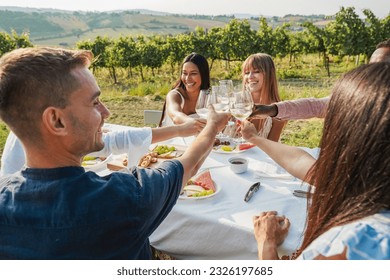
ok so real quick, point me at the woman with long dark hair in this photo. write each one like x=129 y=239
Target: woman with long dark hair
x=180 y=102
x=349 y=208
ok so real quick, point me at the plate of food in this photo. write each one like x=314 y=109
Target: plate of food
x=94 y=163
x=232 y=149
x=200 y=187
x=159 y=153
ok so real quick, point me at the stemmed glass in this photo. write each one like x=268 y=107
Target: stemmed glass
x=207 y=97
x=240 y=106
x=202 y=103
x=226 y=89
x=219 y=99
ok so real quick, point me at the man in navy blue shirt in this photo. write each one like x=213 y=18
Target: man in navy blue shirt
x=53 y=209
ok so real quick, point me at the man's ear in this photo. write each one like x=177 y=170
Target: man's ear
x=53 y=120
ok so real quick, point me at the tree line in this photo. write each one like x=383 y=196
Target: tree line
x=346 y=35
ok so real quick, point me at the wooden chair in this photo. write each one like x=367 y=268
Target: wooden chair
x=152 y=117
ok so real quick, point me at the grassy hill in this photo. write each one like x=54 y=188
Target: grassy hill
x=58 y=27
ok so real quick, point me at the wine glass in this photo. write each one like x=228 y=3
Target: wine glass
x=202 y=103
x=219 y=99
x=226 y=90
x=227 y=87
x=240 y=106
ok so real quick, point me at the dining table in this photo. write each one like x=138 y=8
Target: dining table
x=220 y=226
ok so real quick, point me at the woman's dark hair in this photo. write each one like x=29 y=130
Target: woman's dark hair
x=352 y=174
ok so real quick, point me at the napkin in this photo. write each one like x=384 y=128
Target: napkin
x=265 y=169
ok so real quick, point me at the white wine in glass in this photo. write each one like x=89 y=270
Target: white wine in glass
x=241 y=105
x=241 y=112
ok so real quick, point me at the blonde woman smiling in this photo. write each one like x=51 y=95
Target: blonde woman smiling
x=259 y=75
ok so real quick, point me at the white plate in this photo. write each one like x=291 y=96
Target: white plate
x=235 y=151
x=96 y=164
x=217 y=190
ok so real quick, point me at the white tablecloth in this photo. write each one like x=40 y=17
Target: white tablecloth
x=220 y=227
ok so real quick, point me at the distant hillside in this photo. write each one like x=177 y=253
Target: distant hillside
x=59 y=27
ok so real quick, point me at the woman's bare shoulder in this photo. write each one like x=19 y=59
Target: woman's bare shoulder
x=175 y=93
x=175 y=98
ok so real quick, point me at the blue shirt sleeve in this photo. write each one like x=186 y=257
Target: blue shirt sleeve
x=155 y=193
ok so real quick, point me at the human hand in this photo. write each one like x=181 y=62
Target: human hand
x=248 y=130
x=270 y=229
x=191 y=127
x=262 y=111
x=219 y=119
x=198 y=124
x=230 y=129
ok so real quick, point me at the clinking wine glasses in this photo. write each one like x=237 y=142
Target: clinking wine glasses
x=202 y=103
x=219 y=98
x=205 y=98
x=224 y=94
x=225 y=91
x=240 y=106
x=215 y=97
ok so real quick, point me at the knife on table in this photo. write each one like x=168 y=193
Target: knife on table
x=254 y=188
x=300 y=193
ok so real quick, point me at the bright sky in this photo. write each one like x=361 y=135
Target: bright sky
x=380 y=8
